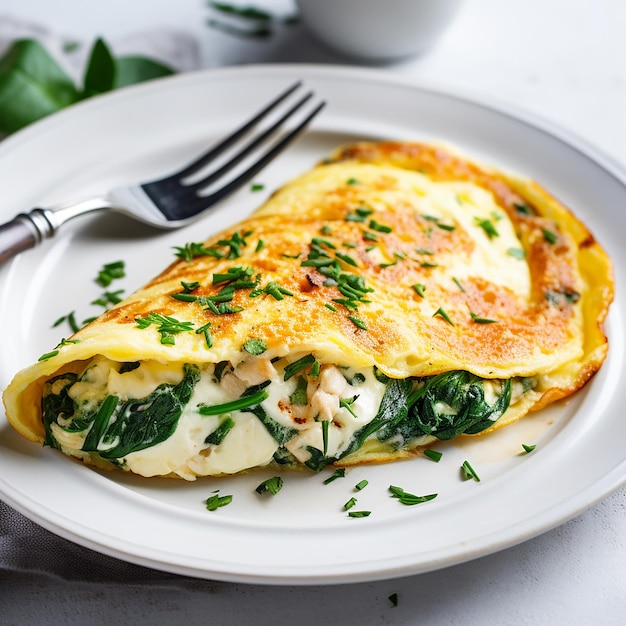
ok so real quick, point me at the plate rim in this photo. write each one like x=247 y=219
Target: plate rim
x=583 y=500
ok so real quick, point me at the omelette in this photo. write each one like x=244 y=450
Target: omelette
x=396 y=295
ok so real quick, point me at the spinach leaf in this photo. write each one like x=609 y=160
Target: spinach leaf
x=454 y=403
x=55 y=405
x=282 y=434
x=393 y=410
x=143 y=423
x=217 y=436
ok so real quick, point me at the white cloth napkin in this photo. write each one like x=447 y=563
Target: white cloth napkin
x=25 y=546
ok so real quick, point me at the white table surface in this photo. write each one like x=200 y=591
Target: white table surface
x=564 y=60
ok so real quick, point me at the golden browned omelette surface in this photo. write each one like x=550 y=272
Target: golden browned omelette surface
x=402 y=256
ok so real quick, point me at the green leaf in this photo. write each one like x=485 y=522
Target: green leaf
x=100 y=72
x=136 y=69
x=271 y=485
x=32 y=85
x=145 y=422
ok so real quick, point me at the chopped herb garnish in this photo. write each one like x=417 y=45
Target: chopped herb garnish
x=346 y=403
x=482 y=320
x=331 y=307
x=459 y=284
x=273 y=289
x=378 y=227
x=523 y=209
x=297 y=366
x=468 y=472
x=109 y=272
x=549 y=236
x=259 y=246
x=442 y=313
x=487 y=226
x=108 y=298
x=434 y=455
x=257 y=187
x=409 y=499
x=419 y=289
x=324 y=242
x=369 y=236
x=325 y=437
x=359 y=323
x=528 y=448
x=167 y=326
x=216 y=501
x=386 y=265
x=346 y=259
x=361 y=485
x=271 y=485
x=48 y=355
x=350 y=504
x=352 y=181
x=326 y=230
x=338 y=473
x=517 y=253
x=314 y=372
x=234 y=405
x=204 y=330
x=359 y=513
x=424 y=251
x=233 y=273
x=193 y=249
x=255 y=346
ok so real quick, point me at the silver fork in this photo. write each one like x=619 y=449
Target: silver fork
x=172 y=201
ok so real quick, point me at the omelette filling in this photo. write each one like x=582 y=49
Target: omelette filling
x=193 y=420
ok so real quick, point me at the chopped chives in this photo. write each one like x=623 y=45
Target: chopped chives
x=359 y=513
x=549 y=236
x=378 y=227
x=234 y=405
x=216 y=501
x=442 y=313
x=359 y=323
x=528 y=448
x=297 y=366
x=419 y=289
x=361 y=485
x=434 y=455
x=409 y=499
x=350 y=504
x=338 y=473
x=272 y=485
x=482 y=320
x=468 y=472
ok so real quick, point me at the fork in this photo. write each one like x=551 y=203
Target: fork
x=175 y=200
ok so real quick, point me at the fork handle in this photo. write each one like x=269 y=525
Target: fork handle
x=23 y=232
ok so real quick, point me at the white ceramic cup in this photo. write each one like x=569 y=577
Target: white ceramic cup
x=378 y=30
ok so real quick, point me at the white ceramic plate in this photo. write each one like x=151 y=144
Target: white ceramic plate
x=302 y=535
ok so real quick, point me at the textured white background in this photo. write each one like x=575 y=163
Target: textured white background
x=564 y=60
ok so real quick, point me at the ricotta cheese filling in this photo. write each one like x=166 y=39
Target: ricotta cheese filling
x=195 y=420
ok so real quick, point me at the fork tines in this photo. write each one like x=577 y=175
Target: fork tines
x=237 y=158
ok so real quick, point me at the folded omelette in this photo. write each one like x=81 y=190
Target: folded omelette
x=396 y=295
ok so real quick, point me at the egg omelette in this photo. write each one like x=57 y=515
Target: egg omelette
x=395 y=295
